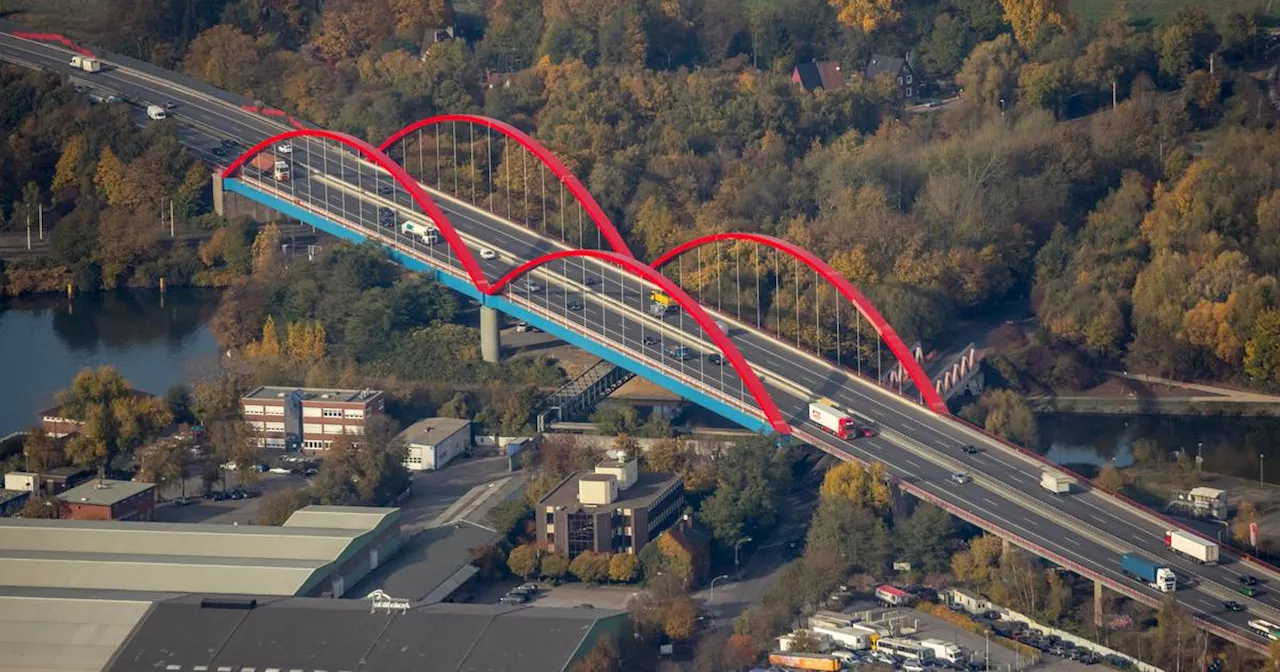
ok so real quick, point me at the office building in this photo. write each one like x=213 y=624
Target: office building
x=614 y=509
x=308 y=418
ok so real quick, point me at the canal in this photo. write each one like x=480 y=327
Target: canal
x=46 y=339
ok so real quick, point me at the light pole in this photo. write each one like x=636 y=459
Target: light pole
x=712 y=597
x=735 y=551
x=1261 y=461
x=987 y=661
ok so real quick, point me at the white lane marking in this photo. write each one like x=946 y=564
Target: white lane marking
x=912 y=462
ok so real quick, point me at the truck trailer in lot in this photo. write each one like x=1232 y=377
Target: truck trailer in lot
x=1151 y=573
x=1057 y=483
x=806 y=661
x=952 y=653
x=1185 y=543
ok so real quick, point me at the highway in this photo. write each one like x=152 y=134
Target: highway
x=1086 y=531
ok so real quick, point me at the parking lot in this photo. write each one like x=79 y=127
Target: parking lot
x=984 y=653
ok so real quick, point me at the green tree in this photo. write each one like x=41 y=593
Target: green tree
x=990 y=73
x=41 y=450
x=623 y=567
x=523 y=560
x=749 y=481
x=1262 y=350
x=590 y=567
x=115 y=419
x=924 y=538
x=1029 y=18
x=554 y=566
x=850 y=533
x=278 y=505
x=178 y=398
x=41 y=508
x=1007 y=415
x=509 y=518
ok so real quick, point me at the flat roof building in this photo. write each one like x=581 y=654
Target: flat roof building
x=107 y=499
x=434 y=442
x=188 y=633
x=308 y=418
x=319 y=551
x=65 y=631
x=614 y=509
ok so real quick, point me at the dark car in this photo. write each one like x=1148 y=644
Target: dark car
x=169 y=104
x=1232 y=605
x=228 y=143
x=681 y=353
x=385 y=189
x=513 y=598
x=590 y=281
x=971 y=449
x=715 y=359
x=1248 y=580
x=650 y=340
x=220 y=151
x=574 y=306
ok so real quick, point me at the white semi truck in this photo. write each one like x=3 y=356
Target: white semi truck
x=426 y=233
x=947 y=651
x=1185 y=543
x=86 y=63
x=838 y=422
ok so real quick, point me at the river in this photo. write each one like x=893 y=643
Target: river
x=1235 y=446
x=46 y=339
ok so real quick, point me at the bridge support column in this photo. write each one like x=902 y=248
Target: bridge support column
x=1097 y=603
x=490 y=339
x=219 y=206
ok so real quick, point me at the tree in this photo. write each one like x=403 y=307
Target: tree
x=224 y=57
x=868 y=15
x=1262 y=351
x=371 y=473
x=590 y=567
x=178 y=398
x=679 y=617
x=509 y=517
x=603 y=657
x=623 y=567
x=232 y=441
x=115 y=419
x=668 y=456
x=977 y=564
x=805 y=641
x=523 y=560
x=266 y=250
x=554 y=566
x=1246 y=515
x=924 y=538
x=67 y=173
x=851 y=533
x=162 y=462
x=990 y=73
x=41 y=508
x=749 y=481
x=740 y=652
x=1110 y=478
x=110 y=177
x=278 y=505
x=1029 y=18
x=852 y=482
x=1272 y=663
x=41 y=451
x=1007 y=415
x=490 y=560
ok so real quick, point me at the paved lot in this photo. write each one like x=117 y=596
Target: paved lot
x=577 y=594
x=226 y=512
x=930 y=627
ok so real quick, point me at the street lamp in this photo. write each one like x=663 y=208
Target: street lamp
x=712 y=597
x=735 y=551
x=1261 y=461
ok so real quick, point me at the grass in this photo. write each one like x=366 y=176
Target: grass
x=1156 y=12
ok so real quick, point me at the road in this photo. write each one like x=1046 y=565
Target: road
x=1085 y=532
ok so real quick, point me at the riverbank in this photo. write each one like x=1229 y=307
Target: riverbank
x=1137 y=394
x=1162 y=482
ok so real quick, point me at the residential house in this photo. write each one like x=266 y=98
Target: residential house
x=819 y=75
x=897 y=69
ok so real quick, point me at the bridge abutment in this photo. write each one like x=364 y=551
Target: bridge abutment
x=219 y=196
x=490 y=338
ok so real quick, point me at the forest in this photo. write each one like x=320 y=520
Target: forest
x=1117 y=174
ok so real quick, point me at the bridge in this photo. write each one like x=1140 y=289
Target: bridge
x=763 y=326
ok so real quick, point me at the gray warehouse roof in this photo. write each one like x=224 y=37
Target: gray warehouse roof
x=317 y=634
x=185 y=557
x=47 y=634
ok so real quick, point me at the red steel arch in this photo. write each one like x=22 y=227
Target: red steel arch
x=882 y=327
x=695 y=310
x=397 y=173
x=548 y=159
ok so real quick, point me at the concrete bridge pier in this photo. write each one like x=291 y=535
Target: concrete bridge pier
x=490 y=339
x=1097 y=603
x=219 y=205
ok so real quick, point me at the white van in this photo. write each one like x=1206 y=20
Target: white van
x=156 y=112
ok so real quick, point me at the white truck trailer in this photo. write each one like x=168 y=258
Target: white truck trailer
x=1057 y=483
x=1185 y=543
x=947 y=651
x=426 y=233
x=832 y=419
x=86 y=63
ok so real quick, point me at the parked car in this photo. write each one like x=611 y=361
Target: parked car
x=181 y=501
x=279 y=470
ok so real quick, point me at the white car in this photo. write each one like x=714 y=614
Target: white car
x=285 y=148
x=278 y=470
x=230 y=466
x=960 y=477
x=486 y=253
